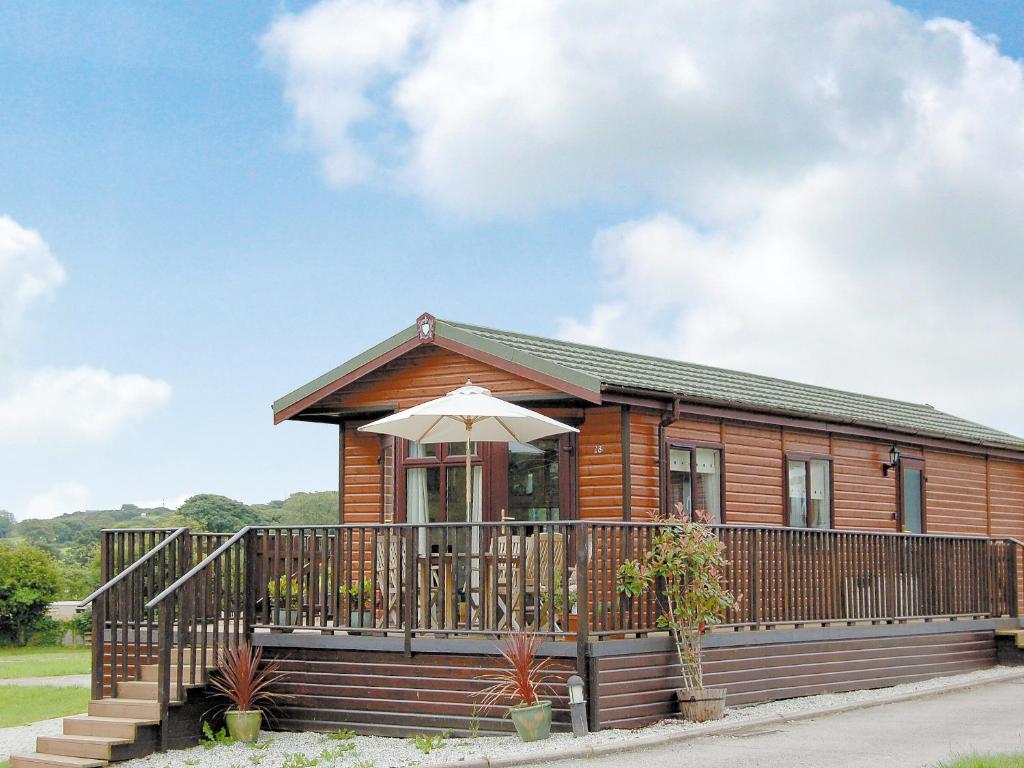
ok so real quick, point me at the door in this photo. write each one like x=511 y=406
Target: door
x=912 y=496
x=534 y=482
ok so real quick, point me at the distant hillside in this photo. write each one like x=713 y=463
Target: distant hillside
x=67 y=532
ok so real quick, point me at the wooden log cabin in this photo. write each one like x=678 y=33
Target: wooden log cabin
x=871 y=542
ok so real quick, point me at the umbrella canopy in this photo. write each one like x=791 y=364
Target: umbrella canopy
x=468 y=413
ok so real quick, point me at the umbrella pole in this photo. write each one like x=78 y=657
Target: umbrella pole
x=469 y=478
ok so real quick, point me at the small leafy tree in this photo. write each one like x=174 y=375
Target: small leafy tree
x=29 y=581
x=685 y=563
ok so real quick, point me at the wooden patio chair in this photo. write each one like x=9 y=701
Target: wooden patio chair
x=543 y=550
x=507 y=581
x=390 y=566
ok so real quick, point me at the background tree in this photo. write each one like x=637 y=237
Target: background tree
x=29 y=581
x=218 y=514
x=6 y=523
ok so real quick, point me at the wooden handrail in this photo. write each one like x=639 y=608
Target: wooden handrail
x=138 y=563
x=199 y=568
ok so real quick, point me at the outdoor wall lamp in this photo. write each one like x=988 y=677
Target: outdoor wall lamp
x=894 y=461
x=577 y=706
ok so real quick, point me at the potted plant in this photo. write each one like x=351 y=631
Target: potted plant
x=521 y=682
x=284 y=595
x=685 y=564
x=360 y=603
x=245 y=682
x=563 y=602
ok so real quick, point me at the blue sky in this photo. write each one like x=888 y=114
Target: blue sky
x=156 y=151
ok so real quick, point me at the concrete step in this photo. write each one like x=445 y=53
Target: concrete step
x=141 y=709
x=97 y=747
x=36 y=760
x=115 y=727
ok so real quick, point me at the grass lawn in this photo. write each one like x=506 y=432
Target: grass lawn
x=43 y=662
x=986 y=761
x=27 y=704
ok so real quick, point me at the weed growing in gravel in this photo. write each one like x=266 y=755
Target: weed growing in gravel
x=427 y=744
x=474 y=723
x=343 y=735
x=212 y=738
x=299 y=760
x=192 y=761
x=257 y=759
x=338 y=753
x=261 y=744
x=363 y=764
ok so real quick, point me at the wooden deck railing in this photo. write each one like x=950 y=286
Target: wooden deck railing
x=135 y=565
x=185 y=597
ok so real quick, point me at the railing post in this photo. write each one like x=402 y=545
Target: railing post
x=410 y=587
x=249 y=585
x=891 y=575
x=755 y=565
x=165 y=624
x=583 y=619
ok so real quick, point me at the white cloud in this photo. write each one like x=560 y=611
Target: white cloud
x=834 y=189
x=58 y=500
x=82 y=403
x=28 y=273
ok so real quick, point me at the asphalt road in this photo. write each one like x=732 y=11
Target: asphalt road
x=922 y=732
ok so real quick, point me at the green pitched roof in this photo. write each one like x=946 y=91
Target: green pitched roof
x=744 y=390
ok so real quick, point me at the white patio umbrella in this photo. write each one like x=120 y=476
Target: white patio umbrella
x=468 y=413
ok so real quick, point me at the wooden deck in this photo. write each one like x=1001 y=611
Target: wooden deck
x=392 y=628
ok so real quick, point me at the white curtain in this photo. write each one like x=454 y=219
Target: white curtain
x=710 y=472
x=416 y=500
x=476 y=516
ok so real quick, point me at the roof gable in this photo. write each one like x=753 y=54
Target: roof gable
x=521 y=363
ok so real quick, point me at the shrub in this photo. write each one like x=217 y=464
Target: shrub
x=242 y=680
x=685 y=563
x=521 y=681
x=29 y=580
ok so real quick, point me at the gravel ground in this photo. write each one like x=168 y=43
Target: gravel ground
x=22 y=738
x=379 y=752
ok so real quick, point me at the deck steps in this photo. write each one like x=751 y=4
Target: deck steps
x=98 y=747
x=94 y=725
x=110 y=732
x=144 y=709
x=37 y=760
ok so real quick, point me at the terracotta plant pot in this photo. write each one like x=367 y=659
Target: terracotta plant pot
x=702 y=704
x=533 y=723
x=244 y=726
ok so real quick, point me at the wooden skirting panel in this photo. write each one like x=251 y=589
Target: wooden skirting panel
x=639 y=689
x=391 y=694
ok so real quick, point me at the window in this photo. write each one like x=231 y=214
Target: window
x=809 y=481
x=435 y=482
x=695 y=482
x=534 y=480
x=912 y=498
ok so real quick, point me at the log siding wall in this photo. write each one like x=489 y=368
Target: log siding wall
x=965 y=494
x=639 y=689
x=390 y=694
